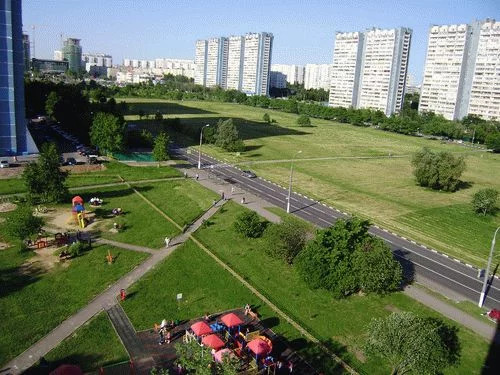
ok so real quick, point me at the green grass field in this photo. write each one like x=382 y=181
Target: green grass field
x=34 y=301
x=93 y=345
x=380 y=188
x=206 y=287
x=343 y=322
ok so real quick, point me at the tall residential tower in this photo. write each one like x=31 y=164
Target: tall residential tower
x=216 y=67
x=200 y=61
x=257 y=63
x=72 y=52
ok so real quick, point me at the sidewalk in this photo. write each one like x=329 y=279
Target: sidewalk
x=103 y=301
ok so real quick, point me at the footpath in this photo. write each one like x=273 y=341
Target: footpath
x=103 y=301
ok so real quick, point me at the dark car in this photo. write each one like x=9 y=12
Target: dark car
x=70 y=161
x=248 y=174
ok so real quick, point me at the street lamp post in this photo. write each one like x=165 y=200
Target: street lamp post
x=483 y=291
x=290 y=184
x=199 y=150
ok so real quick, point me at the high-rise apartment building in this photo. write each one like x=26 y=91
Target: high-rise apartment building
x=461 y=71
x=257 y=63
x=370 y=68
x=236 y=49
x=26 y=52
x=384 y=69
x=241 y=63
x=294 y=74
x=216 y=71
x=72 y=52
x=58 y=55
x=317 y=76
x=344 y=84
x=14 y=136
x=277 y=80
x=98 y=59
x=200 y=61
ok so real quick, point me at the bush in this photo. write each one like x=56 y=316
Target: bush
x=22 y=224
x=266 y=118
x=493 y=141
x=249 y=224
x=304 y=120
x=76 y=248
x=484 y=201
x=227 y=136
x=439 y=171
x=287 y=239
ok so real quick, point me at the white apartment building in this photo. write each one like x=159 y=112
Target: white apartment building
x=461 y=74
x=257 y=63
x=127 y=62
x=384 y=69
x=485 y=91
x=98 y=59
x=200 y=61
x=317 y=76
x=236 y=48
x=58 y=56
x=344 y=83
x=370 y=68
x=293 y=73
x=217 y=54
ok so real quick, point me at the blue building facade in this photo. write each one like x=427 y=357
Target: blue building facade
x=13 y=132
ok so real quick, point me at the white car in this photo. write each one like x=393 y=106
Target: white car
x=4 y=164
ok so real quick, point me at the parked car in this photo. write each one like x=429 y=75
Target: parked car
x=92 y=159
x=4 y=164
x=248 y=174
x=70 y=161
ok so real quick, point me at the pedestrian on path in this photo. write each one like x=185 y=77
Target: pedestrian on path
x=185 y=174
x=197 y=176
x=232 y=189
x=167 y=241
x=169 y=336
x=222 y=195
x=243 y=200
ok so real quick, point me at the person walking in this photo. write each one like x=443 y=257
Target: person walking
x=243 y=200
x=197 y=176
x=167 y=241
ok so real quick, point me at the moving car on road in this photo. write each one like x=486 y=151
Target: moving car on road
x=4 y=164
x=248 y=174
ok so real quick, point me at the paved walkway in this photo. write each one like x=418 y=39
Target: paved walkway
x=127 y=246
x=105 y=301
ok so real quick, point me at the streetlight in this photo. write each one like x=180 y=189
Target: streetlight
x=483 y=292
x=290 y=184
x=199 y=150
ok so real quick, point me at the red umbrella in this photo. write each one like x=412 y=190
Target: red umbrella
x=231 y=320
x=213 y=341
x=201 y=328
x=494 y=314
x=67 y=370
x=259 y=346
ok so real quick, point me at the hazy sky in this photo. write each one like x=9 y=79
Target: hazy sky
x=304 y=31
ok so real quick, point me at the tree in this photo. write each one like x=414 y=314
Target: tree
x=266 y=118
x=108 y=132
x=227 y=136
x=375 y=267
x=192 y=356
x=51 y=103
x=286 y=239
x=413 y=344
x=304 y=120
x=439 y=171
x=484 y=201
x=493 y=141
x=44 y=179
x=22 y=223
x=248 y=223
x=160 y=149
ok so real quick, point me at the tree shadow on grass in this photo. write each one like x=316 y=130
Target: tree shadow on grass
x=164 y=108
x=14 y=279
x=86 y=362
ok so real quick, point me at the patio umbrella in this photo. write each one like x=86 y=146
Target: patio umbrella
x=259 y=347
x=67 y=370
x=213 y=341
x=231 y=320
x=219 y=356
x=201 y=328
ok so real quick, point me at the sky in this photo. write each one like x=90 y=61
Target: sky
x=304 y=31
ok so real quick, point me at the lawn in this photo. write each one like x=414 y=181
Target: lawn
x=140 y=223
x=92 y=346
x=182 y=200
x=35 y=301
x=206 y=287
x=343 y=322
x=380 y=187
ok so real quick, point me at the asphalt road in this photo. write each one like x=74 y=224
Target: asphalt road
x=416 y=259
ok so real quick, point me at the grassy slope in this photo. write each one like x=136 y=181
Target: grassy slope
x=383 y=190
x=31 y=306
x=93 y=345
x=344 y=322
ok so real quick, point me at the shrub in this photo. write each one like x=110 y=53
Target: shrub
x=266 y=118
x=287 y=239
x=304 y=120
x=249 y=224
x=484 y=201
x=493 y=141
x=22 y=224
x=76 y=248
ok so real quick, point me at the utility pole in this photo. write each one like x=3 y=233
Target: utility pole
x=486 y=275
x=199 y=150
x=290 y=184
